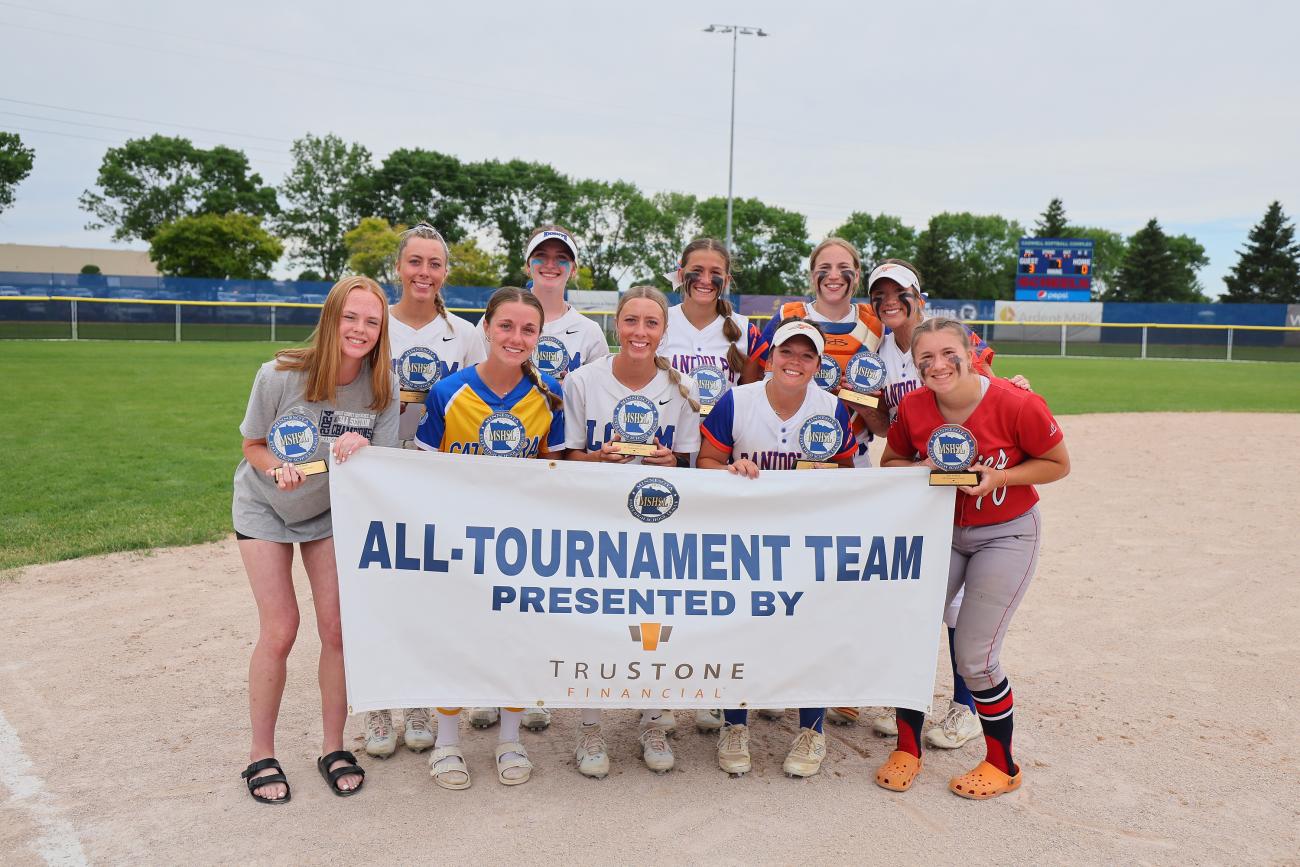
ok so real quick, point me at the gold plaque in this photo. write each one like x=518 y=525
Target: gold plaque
x=816 y=465
x=867 y=400
x=642 y=449
x=413 y=396
x=940 y=478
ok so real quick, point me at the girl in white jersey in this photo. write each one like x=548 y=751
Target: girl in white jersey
x=707 y=339
x=569 y=339
x=772 y=425
x=633 y=396
x=703 y=330
x=427 y=344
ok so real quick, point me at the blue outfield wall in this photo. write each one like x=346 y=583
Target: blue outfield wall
x=1273 y=315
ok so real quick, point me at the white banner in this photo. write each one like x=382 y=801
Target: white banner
x=476 y=581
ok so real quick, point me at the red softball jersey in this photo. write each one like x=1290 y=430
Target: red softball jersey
x=1010 y=425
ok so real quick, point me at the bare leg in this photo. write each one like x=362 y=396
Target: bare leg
x=318 y=558
x=269 y=565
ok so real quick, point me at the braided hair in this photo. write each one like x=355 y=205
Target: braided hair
x=505 y=295
x=653 y=294
x=730 y=330
x=428 y=233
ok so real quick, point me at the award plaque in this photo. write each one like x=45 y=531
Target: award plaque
x=309 y=468
x=864 y=374
x=712 y=384
x=636 y=419
x=952 y=449
x=820 y=440
x=418 y=369
x=828 y=374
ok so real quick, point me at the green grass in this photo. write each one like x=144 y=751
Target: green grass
x=118 y=446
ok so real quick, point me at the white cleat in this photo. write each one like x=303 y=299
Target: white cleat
x=958 y=728
x=656 y=752
x=772 y=712
x=483 y=717
x=842 y=716
x=535 y=719
x=733 y=750
x=708 y=721
x=591 y=754
x=885 y=725
x=381 y=738
x=418 y=729
x=806 y=754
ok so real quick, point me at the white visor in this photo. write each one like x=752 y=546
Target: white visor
x=900 y=274
x=799 y=328
x=552 y=235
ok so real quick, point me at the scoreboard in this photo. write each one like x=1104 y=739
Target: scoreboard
x=1054 y=269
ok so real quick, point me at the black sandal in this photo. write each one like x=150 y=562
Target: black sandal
x=267 y=779
x=332 y=777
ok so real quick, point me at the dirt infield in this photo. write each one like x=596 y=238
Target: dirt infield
x=1154 y=664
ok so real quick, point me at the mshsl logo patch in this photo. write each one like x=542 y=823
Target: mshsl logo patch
x=653 y=500
x=503 y=435
x=293 y=437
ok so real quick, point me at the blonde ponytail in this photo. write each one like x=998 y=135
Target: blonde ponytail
x=676 y=379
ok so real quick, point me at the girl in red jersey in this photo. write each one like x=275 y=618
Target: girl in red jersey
x=995 y=540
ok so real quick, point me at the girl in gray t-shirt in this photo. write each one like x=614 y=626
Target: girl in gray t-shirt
x=337 y=394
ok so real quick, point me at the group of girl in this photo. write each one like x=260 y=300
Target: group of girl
x=536 y=358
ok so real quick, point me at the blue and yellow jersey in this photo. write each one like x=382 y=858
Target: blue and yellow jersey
x=464 y=416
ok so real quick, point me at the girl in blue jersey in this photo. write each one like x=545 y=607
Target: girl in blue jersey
x=765 y=426
x=504 y=407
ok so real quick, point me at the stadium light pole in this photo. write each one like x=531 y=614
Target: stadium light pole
x=736 y=31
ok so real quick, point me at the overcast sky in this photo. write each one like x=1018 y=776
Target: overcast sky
x=1126 y=110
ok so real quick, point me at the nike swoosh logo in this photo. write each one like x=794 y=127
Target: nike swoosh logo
x=662 y=402
x=445 y=339
x=572 y=331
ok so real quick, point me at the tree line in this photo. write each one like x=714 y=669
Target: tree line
x=205 y=213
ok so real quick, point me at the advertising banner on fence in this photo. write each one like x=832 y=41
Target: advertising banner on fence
x=1046 y=311
x=478 y=581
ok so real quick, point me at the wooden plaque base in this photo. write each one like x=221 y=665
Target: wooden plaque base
x=867 y=400
x=641 y=449
x=816 y=465
x=938 y=478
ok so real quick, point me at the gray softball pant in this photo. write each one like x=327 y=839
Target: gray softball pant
x=994 y=564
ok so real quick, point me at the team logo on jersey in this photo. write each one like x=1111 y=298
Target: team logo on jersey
x=865 y=371
x=419 y=368
x=652 y=500
x=951 y=448
x=293 y=437
x=712 y=383
x=551 y=356
x=828 y=375
x=820 y=438
x=636 y=418
x=503 y=435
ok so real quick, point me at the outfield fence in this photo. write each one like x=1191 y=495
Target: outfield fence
x=66 y=317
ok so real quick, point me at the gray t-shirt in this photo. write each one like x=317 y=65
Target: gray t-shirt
x=297 y=430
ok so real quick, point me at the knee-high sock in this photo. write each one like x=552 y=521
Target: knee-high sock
x=736 y=717
x=910 y=723
x=994 y=707
x=448 y=727
x=960 y=692
x=811 y=718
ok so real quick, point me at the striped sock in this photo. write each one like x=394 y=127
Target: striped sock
x=994 y=707
x=960 y=692
x=910 y=723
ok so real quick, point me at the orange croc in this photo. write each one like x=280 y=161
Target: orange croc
x=899 y=772
x=986 y=781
